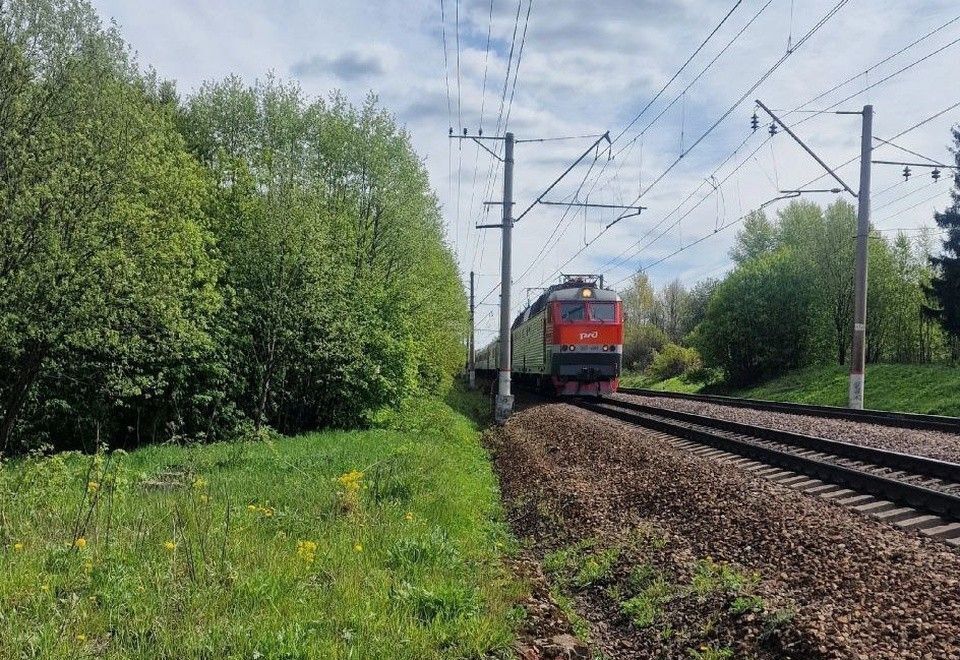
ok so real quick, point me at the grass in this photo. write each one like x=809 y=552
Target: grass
x=382 y=543
x=687 y=383
x=922 y=388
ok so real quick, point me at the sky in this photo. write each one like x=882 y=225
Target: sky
x=585 y=68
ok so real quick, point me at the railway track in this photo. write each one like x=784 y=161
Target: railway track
x=899 y=419
x=910 y=492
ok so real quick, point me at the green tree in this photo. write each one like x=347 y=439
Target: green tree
x=698 y=299
x=344 y=296
x=106 y=283
x=758 y=320
x=757 y=238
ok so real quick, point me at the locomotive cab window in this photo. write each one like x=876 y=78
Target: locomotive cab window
x=603 y=311
x=572 y=311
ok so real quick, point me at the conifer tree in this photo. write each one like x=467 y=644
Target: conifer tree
x=944 y=289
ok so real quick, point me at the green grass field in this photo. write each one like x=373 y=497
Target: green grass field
x=923 y=388
x=375 y=544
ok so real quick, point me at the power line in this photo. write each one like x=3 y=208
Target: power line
x=904 y=132
x=680 y=70
x=460 y=128
x=682 y=93
x=926 y=200
x=516 y=69
x=905 y=150
x=483 y=103
x=488 y=187
x=446 y=77
x=823 y=20
x=742 y=217
x=836 y=8
x=904 y=196
x=878 y=64
x=822 y=95
x=629 y=146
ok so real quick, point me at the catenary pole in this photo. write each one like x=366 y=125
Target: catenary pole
x=858 y=347
x=471 y=365
x=504 y=401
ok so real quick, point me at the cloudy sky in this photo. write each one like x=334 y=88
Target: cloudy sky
x=589 y=67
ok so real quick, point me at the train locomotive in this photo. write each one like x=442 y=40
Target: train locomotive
x=569 y=341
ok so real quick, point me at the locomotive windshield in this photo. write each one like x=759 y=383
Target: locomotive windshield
x=573 y=311
x=603 y=311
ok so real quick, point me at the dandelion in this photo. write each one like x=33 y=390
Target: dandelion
x=169 y=546
x=408 y=516
x=358 y=547
x=80 y=543
x=307 y=550
x=351 y=480
x=18 y=546
x=93 y=486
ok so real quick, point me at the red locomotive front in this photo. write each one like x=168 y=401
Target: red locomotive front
x=584 y=340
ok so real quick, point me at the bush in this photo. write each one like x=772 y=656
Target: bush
x=673 y=361
x=640 y=345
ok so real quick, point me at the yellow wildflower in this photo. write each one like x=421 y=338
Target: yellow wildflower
x=350 y=480
x=199 y=483
x=169 y=546
x=204 y=498
x=358 y=547
x=408 y=516
x=81 y=637
x=251 y=507
x=44 y=587
x=307 y=550
x=93 y=486
x=88 y=567
x=18 y=546
x=80 y=543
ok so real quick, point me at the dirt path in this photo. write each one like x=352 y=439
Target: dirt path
x=653 y=552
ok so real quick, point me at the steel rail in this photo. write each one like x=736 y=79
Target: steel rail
x=921 y=465
x=915 y=421
x=914 y=495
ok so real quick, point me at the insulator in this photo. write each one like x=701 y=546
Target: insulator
x=754 y=122
x=935 y=174
x=451 y=130
x=480 y=132
x=464 y=131
x=906 y=172
x=773 y=128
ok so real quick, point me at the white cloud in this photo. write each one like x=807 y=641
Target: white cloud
x=589 y=67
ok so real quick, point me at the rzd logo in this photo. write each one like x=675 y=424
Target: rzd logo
x=589 y=335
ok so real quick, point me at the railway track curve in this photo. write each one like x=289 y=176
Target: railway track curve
x=911 y=492
x=886 y=418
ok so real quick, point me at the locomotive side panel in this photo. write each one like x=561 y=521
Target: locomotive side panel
x=528 y=345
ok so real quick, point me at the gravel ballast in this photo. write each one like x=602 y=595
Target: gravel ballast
x=935 y=444
x=832 y=583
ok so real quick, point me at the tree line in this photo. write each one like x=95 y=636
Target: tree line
x=788 y=300
x=190 y=268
